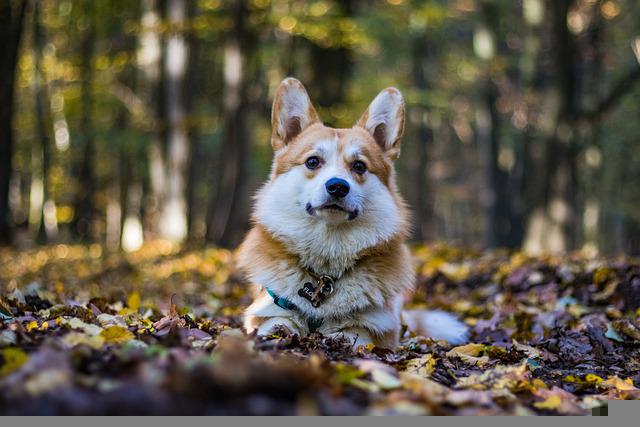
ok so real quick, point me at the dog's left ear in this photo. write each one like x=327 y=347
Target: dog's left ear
x=384 y=120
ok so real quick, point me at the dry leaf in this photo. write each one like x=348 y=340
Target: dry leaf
x=133 y=301
x=116 y=335
x=13 y=358
x=423 y=366
x=470 y=354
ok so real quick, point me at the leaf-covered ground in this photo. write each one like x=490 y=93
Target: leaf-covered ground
x=158 y=332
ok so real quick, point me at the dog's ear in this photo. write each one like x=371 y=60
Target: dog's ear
x=384 y=120
x=292 y=112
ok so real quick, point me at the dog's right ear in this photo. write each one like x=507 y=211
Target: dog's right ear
x=292 y=112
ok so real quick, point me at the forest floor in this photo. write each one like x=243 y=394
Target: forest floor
x=158 y=332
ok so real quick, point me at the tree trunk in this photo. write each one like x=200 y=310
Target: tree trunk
x=173 y=211
x=126 y=226
x=422 y=200
x=196 y=169
x=496 y=198
x=150 y=54
x=84 y=207
x=11 y=26
x=47 y=228
x=228 y=213
x=551 y=224
x=525 y=173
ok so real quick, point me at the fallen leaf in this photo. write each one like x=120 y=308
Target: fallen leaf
x=73 y=339
x=133 y=301
x=13 y=358
x=469 y=354
x=612 y=334
x=110 y=320
x=628 y=328
x=422 y=366
x=5 y=310
x=558 y=400
x=116 y=335
x=512 y=377
x=32 y=325
x=619 y=384
x=533 y=352
x=7 y=337
x=172 y=319
x=385 y=380
x=552 y=402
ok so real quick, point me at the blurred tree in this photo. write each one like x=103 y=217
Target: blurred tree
x=227 y=214
x=83 y=225
x=330 y=67
x=11 y=28
x=421 y=55
x=173 y=210
x=46 y=222
x=488 y=124
x=152 y=120
x=149 y=59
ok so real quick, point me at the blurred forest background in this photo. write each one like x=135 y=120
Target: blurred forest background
x=127 y=121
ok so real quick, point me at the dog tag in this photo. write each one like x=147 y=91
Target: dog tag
x=317 y=294
x=327 y=286
x=309 y=292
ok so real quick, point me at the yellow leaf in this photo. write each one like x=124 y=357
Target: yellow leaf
x=32 y=325
x=116 y=335
x=423 y=366
x=513 y=377
x=593 y=379
x=467 y=349
x=552 y=402
x=572 y=379
x=14 y=358
x=589 y=379
x=59 y=287
x=133 y=302
x=539 y=384
x=601 y=275
x=620 y=384
x=469 y=354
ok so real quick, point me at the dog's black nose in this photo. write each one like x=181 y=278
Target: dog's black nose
x=337 y=187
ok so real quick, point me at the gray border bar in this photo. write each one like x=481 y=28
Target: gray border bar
x=621 y=413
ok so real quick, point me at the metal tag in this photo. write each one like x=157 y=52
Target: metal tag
x=317 y=294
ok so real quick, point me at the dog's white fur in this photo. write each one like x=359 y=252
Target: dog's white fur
x=293 y=232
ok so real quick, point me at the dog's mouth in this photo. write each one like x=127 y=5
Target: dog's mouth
x=333 y=207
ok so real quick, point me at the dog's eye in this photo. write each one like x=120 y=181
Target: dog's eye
x=359 y=167
x=312 y=162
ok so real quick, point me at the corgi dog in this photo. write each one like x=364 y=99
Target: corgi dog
x=327 y=247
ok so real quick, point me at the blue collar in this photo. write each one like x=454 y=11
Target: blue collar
x=312 y=322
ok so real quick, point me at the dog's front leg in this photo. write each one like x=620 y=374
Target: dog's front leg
x=356 y=336
x=269 y=325
x=265 y=317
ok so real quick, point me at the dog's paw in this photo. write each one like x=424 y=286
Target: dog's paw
x=437 y=324
x=274 y=325
x=355 y=336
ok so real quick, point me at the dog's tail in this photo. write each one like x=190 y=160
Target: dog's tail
x=436 y=324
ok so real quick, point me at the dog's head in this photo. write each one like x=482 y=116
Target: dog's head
x=333 y=178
